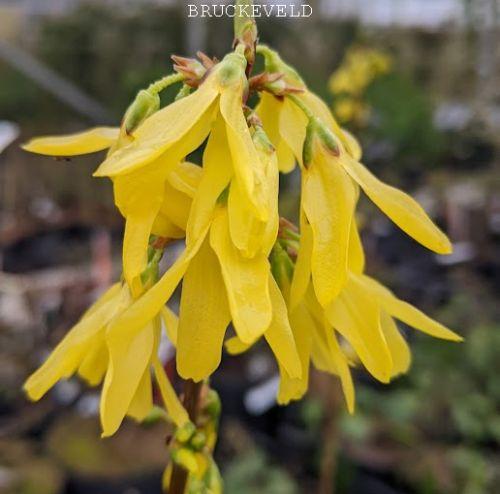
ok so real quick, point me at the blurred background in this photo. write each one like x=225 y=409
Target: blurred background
x=418 y=81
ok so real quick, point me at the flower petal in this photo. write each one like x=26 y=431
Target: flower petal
x=329 y=201
x=356 y=315
x=179 y=128
x=249 y=233
x=142 y=402
x=172 y=403
x=171 y=323
x=269 y=111
x=400 y=351
x=279 y=334
x=70 y=352
x=246 y=282
x=203 y=317
x=95 y=362
x=185 y=177
x=246 y=162
x=292 y=127
x=148 y=305
x=302 y=271
x=88 y=141
x=356 y=255
x=216 y=175
x=130 y=349
x=139 y=196
x=400 y=208
x=408 y=313
x=294 y=388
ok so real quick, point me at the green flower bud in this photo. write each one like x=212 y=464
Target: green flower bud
x=185 y=433
x=198 y=441
x=212 y=404
x=186 y=459
x=144 y=105
x=232 y=68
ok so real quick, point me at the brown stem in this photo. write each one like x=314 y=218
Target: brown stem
x=330 y=394
x=191 y=402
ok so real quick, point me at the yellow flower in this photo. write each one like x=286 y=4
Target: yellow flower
x=314 y=336
x=330 y=180
x=150 y=203
x=173 y=132
x=221 y=280
x=363 y=315
x=95 y=350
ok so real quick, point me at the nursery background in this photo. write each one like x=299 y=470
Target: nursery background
x=418 y=82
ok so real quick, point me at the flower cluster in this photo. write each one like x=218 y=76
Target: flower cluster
x=304 y=290
x=359 y=68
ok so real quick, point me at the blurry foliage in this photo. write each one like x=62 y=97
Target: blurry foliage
x=403 y=116
x=251 y=472
x=449 y=403
x=109 y=55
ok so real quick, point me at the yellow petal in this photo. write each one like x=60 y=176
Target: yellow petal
x=356 y=255
x=70 y=352
x=95 y=362
x=246 y=282
x=172 y=403
x=352 y=145
x=329 y=201
x=400 y=208
x=112 y=292
x=171 y=323
x=249 y=233
x=293 y=125
x=216 y=174
x=203 y=317
x=326 y=353
x=234 y=346
x=185 y=177
x=139 y=196
x=356 y=315
x=148 y=305
x=89 y=141
x=246 y=162
x=295 y=388
x=279 y=335
x=408 y=313
x=179 y=128
x=302 y=271
x=176 y=206
x=269 y=111
x=163 y=227
x=344 y=373
x=142 y=402
x=130 y=351
x=400 y=351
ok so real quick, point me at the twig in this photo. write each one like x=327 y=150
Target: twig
x=191 y=401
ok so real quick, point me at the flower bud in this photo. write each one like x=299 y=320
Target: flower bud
x=231 y=69
x=317 y=129
x=185 y=433
x=186 y=459
x=198 y=441
x=212 y=404
x=144 y=105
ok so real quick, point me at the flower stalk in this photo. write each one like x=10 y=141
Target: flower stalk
x=191 y=402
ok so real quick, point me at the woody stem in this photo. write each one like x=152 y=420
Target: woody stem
x=191 y=402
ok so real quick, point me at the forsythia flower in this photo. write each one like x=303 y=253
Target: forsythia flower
x=306 y=295
x=219 y=279
x=160 y=208
x=95 y=352
x=331 y=173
